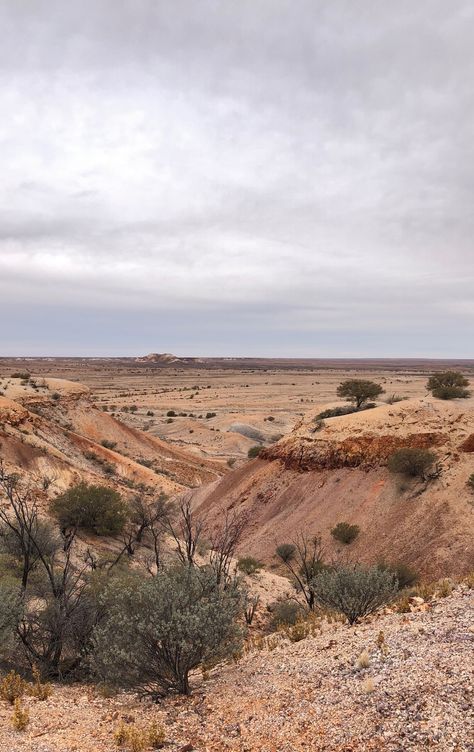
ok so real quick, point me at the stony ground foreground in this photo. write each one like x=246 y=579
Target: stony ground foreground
x=298 y=696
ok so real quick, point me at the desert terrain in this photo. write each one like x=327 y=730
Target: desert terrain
x=183 y=429
x=249 y=401
x=415 y=693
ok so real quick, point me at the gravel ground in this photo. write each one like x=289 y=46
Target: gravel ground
x=416 y=694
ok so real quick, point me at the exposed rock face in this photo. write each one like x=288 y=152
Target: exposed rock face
x=319 y=476
x=355 y=451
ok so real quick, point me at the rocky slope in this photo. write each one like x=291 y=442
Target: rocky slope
x=52 y=430
x=415 y=694
x=321 y=475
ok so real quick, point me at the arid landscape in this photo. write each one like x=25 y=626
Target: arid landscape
x=185 y=430
x=236 y=376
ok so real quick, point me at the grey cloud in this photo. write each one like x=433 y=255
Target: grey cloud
x=309 y=162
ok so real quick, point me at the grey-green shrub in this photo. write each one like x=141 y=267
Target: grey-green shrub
x=157 y=630
x=286 y=613
x=354 y=591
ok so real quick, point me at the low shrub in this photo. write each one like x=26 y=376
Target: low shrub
x=108 y=444
x=393 y=398
x=406 y=576
x=354 y=591
x=254 y=452
x=12 y=687
x=138 y=739
x=171 y=414
x=163 y=627
x=98 y=509
x=411 y=462
x=286 y=613
x=20 y=717
x=39 y=689
x=249 y=565
x=448 y=385
x=345 y=533
x=285 y=551
x=335 y=412
x=470 y=482
x=145 y=462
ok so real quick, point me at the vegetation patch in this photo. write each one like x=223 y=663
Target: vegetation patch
x=345 y=533
x=97 y=509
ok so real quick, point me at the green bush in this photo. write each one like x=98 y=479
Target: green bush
x=448 y=385
x=354 y=591
x=249 y=565
x=470 y=482
x=98 y=509
x=171 y=414
x=345 y=533
x=359 y=391
x=286 y=613
x=254 y=452
x=411 y=462
x=406 y=576
x=156 y=631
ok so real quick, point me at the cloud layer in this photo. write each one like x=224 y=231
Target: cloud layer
x=255 y=177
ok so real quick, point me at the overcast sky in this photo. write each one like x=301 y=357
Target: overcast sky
x=237 y=177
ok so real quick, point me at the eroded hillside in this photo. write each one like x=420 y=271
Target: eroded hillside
x=336 y=471
x=52 y=430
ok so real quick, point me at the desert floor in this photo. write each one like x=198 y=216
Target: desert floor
x=249 y=401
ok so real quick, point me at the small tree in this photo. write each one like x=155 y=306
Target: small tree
x=303 y=559
x=354 y=591
x=412 y=462
x=359 y=391
x=345 y=533
x=155 y=631
x=185 y=529
x=98 y=509
x=55 y=613
x=223 y=543
x=448 y=385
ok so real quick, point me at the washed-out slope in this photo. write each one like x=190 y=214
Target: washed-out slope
x=313 y=479
x=60 y=437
